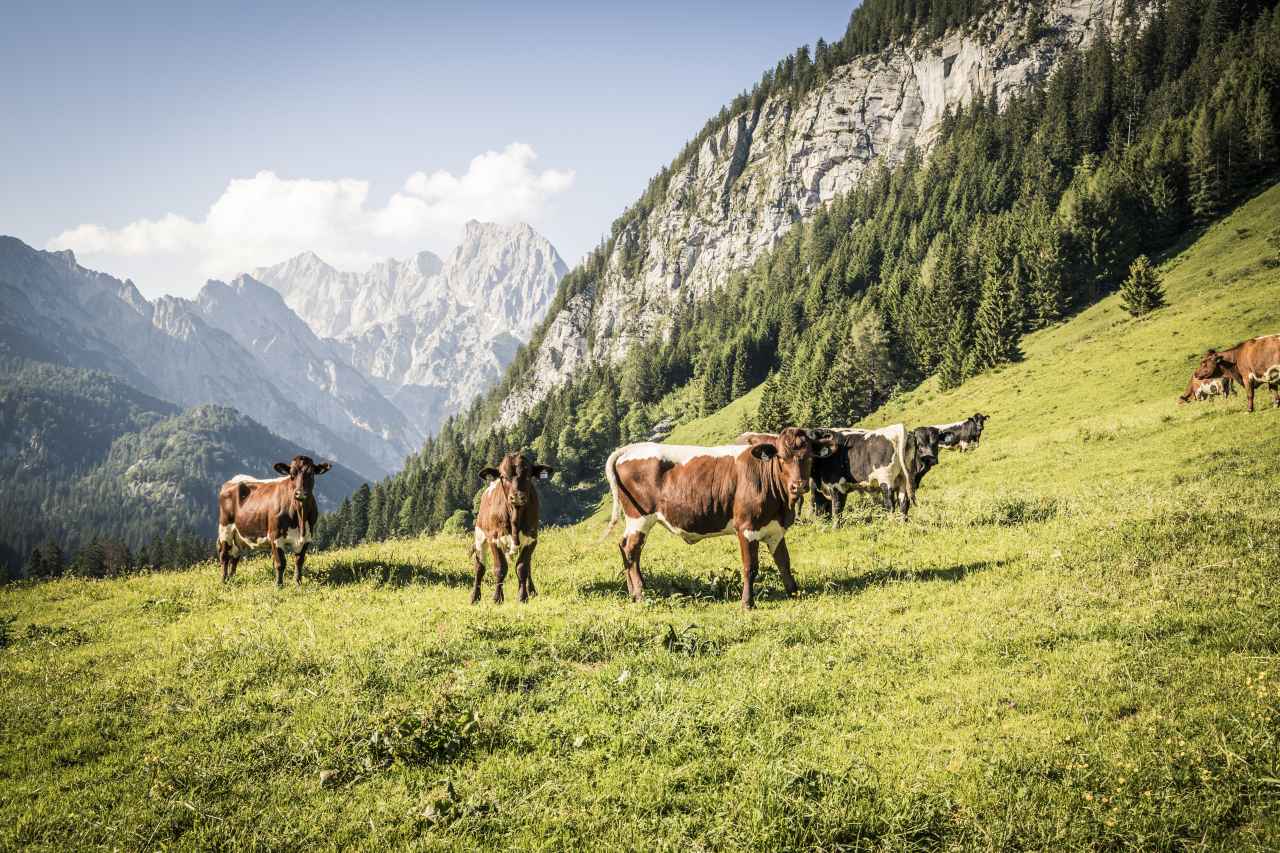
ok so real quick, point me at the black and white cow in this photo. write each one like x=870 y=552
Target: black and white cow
x=927 y=440
x=882 y=461
x=962 y=435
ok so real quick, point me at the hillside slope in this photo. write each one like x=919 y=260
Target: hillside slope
x=1073 y=645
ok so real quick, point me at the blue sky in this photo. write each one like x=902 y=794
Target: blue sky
x=352 y=128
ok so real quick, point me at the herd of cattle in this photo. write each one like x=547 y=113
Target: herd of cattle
x=752 y=488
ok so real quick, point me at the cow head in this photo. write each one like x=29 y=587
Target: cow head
x=1213 y=364
x=302 y=473
x=978 y=420
x=515 y=475
x=927 y=440
x=792 y=452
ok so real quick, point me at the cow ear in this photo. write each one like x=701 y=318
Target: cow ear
x=764 y=450
x=281 y=468
x=489 y=474
x=323 y=468
x=543 y=472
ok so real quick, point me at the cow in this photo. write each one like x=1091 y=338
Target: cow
x=927 y=440
x=507 y=524
x=745 y=489
x=881 y=461
x=964 y=434
x=279 y=514
x=1203 y=389
x=1251 y=363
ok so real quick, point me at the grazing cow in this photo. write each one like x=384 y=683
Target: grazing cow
x=1203 y=389
x=279 y=514
x=1251 y=363
x=747 y=489
x=883 y=461
x=962 y=434
x=508 y=523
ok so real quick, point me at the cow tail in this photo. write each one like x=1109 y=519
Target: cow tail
x=611 y=474
x=900 y=438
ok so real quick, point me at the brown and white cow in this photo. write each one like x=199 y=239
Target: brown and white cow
x=279 y=514
x=1203 y=389
x=747 y=490
x=507 y=524
x=1251 y=363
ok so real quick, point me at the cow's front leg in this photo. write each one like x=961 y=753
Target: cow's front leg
x=297 y=565
x=750 y=568
x=499 y=571
x=477 y=563
x=524 y=570
x=277 y=557
x=631 y=546
x=235 y=562
x=782 y=557
x=224 y=557
x=821 y=506
x=837 y=507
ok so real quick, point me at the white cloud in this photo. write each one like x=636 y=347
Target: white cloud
x=266 y=218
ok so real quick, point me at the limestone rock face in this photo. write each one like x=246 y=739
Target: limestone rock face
x=770 y=168
x=430 y=334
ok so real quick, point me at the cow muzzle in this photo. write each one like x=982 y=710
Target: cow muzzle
x=517 y=500
x=300 y=496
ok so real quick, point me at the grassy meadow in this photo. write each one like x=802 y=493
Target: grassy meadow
x=1072 y=645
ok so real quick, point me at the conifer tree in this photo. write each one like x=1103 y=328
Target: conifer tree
x=951 y=371
x=996 y=324
x=741 y=381
x=1142 y=292
x=358 y=522
x=773 y=414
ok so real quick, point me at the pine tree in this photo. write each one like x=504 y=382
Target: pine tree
x=1142 y=292
x=405 y=519
x=358 y=521
x=1205 y=169
x=997 y=325
x=951 y=371
x=772 y=413
x=741 y=381
x=375 y=531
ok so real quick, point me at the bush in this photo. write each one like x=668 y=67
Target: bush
x=457 y=524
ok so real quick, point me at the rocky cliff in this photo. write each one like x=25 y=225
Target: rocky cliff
x=431 y=334
x=767 y=169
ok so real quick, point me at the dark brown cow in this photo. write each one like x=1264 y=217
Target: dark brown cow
x=279 y=514
x=750 y=490
x=508 y=523
x=1203 y=389
x=1251 y=363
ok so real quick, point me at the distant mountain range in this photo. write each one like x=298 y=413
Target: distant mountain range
x=358 y=367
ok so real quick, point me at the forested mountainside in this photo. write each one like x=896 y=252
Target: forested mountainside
x=1018 y=216
x=86 y=458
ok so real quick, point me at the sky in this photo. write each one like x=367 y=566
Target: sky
x=171 y=143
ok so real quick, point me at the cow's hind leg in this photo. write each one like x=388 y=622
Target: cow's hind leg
x=782 y=557
x=631 y=546
x=277 y=557
x=224 y=557
x=499 y=572
x=1248 y=392
x=477 y=563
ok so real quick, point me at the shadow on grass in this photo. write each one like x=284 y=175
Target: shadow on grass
x=858 y=583
x=390 y=573
x=727 y=585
